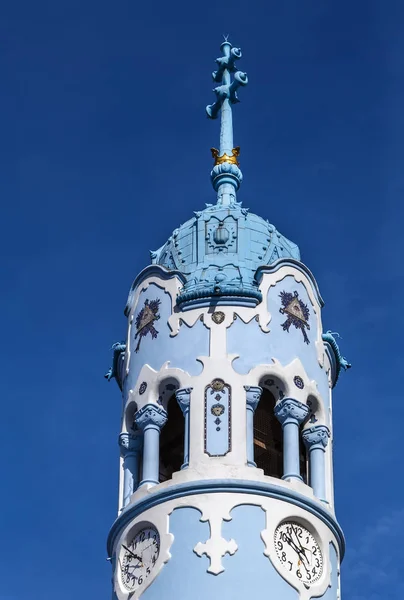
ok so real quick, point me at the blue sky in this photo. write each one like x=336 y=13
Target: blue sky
x=104 y=151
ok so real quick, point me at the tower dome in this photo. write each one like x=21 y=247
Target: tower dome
x=218 y=253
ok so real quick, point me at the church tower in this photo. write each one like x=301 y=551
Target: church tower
x=226 y=478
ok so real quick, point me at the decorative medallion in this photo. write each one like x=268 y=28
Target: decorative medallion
x=217 y=385
x=142 y=387
x=145 y=320
x=298 y=381
x=217 y=409
x=217 y=433
x=297 y=313
x=218 y=317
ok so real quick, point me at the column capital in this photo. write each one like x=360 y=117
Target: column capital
x=151 y=415
x=253 y=395
x=129 y=443
x=316 y=437
x=290 y=410
x=183 y=397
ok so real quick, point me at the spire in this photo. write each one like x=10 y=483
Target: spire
x=226 y=176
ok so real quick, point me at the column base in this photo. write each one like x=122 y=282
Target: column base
x=292 y=476
x=148 y=482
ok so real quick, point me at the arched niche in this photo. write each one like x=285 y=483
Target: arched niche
x=173 y=433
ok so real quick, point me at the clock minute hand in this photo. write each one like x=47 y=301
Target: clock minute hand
x=293 y=545
x=300 y=554
x=302 y=550
x=130 y=552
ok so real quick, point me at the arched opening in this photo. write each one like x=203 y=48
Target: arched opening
x=172 y=441
x=268 y=437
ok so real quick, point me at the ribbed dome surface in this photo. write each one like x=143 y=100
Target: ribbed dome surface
x=219 y=250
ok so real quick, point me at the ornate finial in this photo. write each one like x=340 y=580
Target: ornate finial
x=226 y=175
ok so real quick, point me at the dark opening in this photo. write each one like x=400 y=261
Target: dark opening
x=172 y=441
x=302 y=457
x=268 y=437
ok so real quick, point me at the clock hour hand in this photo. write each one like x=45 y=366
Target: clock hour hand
x=130 y=552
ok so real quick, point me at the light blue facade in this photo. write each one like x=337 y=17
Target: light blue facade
x=225 y=316
x=247 y=574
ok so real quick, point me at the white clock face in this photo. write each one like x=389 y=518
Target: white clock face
x=139 y=556
x=299 y=552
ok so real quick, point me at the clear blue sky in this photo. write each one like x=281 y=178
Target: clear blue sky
x=104 y=151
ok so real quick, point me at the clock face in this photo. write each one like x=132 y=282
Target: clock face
x=139 y=556
x=299 y=552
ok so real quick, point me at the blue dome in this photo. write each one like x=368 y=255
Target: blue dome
x=218 y=252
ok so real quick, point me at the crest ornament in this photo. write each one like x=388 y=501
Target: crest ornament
x=145 y=320
x=297 y=313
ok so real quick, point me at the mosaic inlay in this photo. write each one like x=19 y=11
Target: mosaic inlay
x=218 y=317
x=298 y=381
x=297 y=313
x=145 y=321
x=217 y=434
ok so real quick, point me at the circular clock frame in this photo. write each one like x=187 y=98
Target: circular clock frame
x=299 y=552
x=138 y=555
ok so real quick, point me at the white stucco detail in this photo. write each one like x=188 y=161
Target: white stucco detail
x=216 y=546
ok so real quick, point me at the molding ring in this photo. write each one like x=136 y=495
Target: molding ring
x=213 y=486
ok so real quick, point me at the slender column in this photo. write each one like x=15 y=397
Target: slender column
x=291 y=413
x=253 y=395
x=151 y=419
x=316 y=440
x=130 y=446
x=183 y=398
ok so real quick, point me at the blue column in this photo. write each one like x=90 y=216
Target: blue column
x=151 y=419
x=130 y=446
x=291 y=413
x=253 y=395
x=316 y=440
x=183 y=398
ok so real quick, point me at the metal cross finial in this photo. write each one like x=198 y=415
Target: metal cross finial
x=226 y=175
x=226 y=93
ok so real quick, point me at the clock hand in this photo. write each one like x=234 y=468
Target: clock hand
x=302 y=550
x=298 y=552
x=293 y=546
x=130 y=552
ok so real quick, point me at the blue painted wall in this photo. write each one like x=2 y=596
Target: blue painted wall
x=248 y=573
x=155 y=352
x=256 y=347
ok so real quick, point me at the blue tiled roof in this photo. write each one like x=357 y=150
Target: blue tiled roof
x=219 y=250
